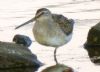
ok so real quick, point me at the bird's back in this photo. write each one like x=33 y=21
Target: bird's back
x=65 y=24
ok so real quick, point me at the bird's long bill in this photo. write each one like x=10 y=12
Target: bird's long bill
x=31 y=20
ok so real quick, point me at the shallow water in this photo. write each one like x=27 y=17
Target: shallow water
x=86 y=13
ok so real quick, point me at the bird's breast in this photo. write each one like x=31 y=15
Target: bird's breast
x=50 y=35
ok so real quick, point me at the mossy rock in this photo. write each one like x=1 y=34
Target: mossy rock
x=94 y=35
x=15 y=56
x=92 y=44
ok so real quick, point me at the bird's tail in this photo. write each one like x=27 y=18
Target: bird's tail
x=72 y=22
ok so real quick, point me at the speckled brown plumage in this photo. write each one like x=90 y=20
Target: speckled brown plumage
x=65 y=24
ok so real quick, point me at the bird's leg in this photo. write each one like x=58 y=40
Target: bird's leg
x=55 y=58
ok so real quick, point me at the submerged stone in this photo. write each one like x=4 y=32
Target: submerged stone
x=17 y=58
x=92 y=44
x=58 y=68
x=22 y=39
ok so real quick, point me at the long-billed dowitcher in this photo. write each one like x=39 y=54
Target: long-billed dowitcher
x=51 y=29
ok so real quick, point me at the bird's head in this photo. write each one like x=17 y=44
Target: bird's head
x=41 y=14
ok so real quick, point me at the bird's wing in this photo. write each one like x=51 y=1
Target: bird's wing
x=65 y=24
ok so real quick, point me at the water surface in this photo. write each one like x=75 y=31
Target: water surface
x=86 y=13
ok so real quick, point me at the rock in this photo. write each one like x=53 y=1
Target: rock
x=92 y=44
x=17 y=58
x=58 y=68
x=22 y=39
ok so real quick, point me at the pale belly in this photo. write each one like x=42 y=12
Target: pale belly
x=50 y=36
x=55 y=41
x=59 y=41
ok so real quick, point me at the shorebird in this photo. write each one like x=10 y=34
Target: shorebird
x=50 y=29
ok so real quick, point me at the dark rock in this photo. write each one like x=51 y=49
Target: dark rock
x=93 y=44
x=58 y=68
x=17 y=58
x=22 y=39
